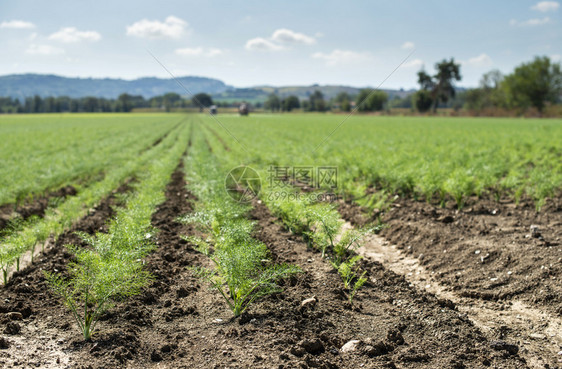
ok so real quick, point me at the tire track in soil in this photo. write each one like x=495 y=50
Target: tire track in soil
x=537 y=332
x=398 y=325
x=39 y=337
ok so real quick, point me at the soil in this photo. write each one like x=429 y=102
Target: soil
x=487 y=250
x=35 y=206
x=178 y=322
x=486 y=259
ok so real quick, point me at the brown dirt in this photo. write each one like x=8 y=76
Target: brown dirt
x=45 y=324
x=485 y=259
x=486 y=250
x=177 y=322
x=35 y=206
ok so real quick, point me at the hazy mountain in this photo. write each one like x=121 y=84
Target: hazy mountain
x=24 y=85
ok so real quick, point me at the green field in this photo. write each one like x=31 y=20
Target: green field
x=421 y=157
x=369 y=161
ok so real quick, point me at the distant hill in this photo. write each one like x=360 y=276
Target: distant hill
x=24 y=85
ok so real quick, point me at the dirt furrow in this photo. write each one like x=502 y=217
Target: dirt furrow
x=538 y=334
x=35 y=327
x=396 y=324
x=34 y=207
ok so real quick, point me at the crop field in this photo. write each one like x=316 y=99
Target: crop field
x=280 y=241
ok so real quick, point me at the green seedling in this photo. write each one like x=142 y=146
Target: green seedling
x=94 y=284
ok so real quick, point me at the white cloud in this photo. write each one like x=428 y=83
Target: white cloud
x=556 y=58
x=199 y=51
x=530 y=22
x=416 y=63
x=17 y=24
x=338 y=56
x=172 y=27
x=261 y=44
x=43 y=50
x=546 y=6
x=287 y=36
x=482 y=60
x=71 y=34
x=408 y=45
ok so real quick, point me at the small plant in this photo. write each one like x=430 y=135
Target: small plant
x=95 y=283
x=349 y=273
x=241 y=276
x=348 y=243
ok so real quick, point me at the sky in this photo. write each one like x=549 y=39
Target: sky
x=258 y=42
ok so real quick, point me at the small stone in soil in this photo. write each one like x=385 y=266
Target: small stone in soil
x=504 y=346
x=350 y=346
x=535 y=231
x=309 y=302
x=15 y=315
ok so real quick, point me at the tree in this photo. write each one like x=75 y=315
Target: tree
x=488 y=95
x=534 y=84
x=369 y=100
x=124 y=103
x=441 y=85
x=273 y=103
x=343 y=100
x=171 y=99
x=422 y=100
x=317 y=102
x=290 y=103
x=202 y=100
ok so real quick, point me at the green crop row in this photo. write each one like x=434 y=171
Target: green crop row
x=61 y=218
x=112 y=267
x=433 y=158
x=319 y=223
x=42 y=153
x=242 y=269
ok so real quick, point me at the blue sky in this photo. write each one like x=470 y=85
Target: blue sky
x=249 y=43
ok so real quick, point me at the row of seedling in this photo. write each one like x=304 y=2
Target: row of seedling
x=63 y=216
x=242 y=270
x=59 y=154
x=111 y=266
x=320 y=226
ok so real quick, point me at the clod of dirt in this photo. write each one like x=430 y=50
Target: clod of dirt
x=155 y=356
x=350 y=346
x=15 y=315
x=376 y=349
x=4 y=343
x=312 y=346
x=535 y=231
x=310 y=302
x=12 y=328
x=504 y=346
x=395 y=336
x=182 y=292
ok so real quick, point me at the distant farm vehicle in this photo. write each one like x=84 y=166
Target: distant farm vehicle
x=243 y=109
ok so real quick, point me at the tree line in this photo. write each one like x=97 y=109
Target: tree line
x=366 y=100
x=532 y=85
x=124 y=103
